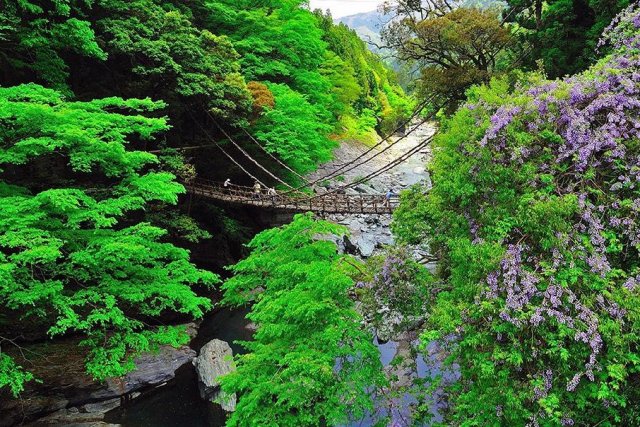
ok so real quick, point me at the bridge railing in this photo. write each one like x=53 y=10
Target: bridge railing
x=331 y=202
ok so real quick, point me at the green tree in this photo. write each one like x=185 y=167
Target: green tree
x=72 y=255
x=563 y=33
x=37 y=36
x=310 y=362
x=292 y=131
x=158 y=51
x=454 y=48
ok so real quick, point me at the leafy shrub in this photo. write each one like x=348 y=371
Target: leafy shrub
x=310 y=363
x=535 y=214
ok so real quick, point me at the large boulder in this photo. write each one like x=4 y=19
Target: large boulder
x=215 y=360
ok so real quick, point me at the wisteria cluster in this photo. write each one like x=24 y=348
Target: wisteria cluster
x=395 y=296
x=536 y=214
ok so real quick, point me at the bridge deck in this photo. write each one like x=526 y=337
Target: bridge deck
x=294 y=202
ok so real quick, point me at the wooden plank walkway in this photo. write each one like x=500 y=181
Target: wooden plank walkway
x=294 y=202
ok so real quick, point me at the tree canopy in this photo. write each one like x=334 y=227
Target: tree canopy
x=72 y=256
x=310 y=363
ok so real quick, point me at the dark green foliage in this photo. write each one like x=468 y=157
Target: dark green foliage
x=310 y=363
x=563 y=33
x=37 y=36
x=70 y=254
x=161 y=53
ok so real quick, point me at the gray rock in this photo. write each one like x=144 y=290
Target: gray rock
x=365 y=245
x=89 y=414
x=348 y=247
x=69 y=396
x=151 y=369
x=372 y=220
x=215 y=360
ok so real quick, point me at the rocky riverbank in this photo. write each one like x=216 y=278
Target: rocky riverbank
x=368 y=233
x=66 y=395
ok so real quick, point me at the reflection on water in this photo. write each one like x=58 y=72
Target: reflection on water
x=178 y=404
x=410 y=367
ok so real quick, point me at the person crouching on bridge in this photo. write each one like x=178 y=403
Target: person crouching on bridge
x=257 y=190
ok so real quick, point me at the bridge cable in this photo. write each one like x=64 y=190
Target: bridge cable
x=344 y=168
x=422 y=145
x=380 y=171
x=415 y=113
x=225 y=152
x=247 y=155
x=280 y=162
x=395 y=162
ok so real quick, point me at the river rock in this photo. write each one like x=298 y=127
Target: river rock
x=365 y=244
x=215 y=360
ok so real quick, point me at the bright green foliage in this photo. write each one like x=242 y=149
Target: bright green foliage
x=378 y=90
x=292 y=130
x=12 y=376
x=327 y=67
x=278 y=42
x=70 y=256
x=345 y=88
x=35 y=36
x=310 y=363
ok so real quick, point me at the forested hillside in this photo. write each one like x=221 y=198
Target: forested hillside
x=493 y=280
x=98 y=100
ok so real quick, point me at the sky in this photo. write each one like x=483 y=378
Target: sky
x=340 y=8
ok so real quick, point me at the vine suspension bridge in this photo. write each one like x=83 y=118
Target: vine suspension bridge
x=295 y=199
x=325 y=203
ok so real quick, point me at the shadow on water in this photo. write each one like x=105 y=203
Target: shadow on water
x=178 y=403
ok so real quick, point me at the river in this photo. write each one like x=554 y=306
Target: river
x=178 y=403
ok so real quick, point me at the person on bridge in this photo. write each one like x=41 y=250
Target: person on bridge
x=390 y=194
x=227 y=182
x=257 y=190
x=273 y=194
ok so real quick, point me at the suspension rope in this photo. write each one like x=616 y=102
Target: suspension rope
x=343 y=168
x=414 y=114
x=247 y=155
x=280 y=162
x=415 y=149
x=380 y=171
x=395 y=162
x=225 y=152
